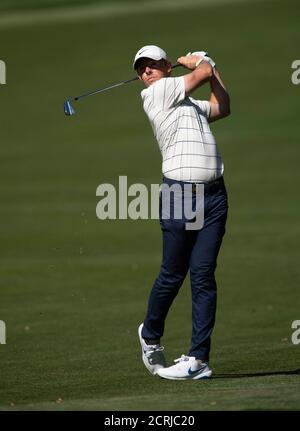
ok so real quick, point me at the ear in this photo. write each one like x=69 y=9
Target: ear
x=169 y=66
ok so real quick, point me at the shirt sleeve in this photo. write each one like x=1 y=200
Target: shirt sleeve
x=204 y=105
x=167 y=92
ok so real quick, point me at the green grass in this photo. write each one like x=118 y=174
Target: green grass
x=73 y=288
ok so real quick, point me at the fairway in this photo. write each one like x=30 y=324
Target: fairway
x=73 y=288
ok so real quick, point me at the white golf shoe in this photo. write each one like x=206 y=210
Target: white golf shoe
x=186 y=368
x=153 y=355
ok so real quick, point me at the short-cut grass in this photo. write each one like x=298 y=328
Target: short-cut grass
x=73 y=288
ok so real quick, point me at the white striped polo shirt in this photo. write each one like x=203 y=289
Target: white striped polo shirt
x=189 y=150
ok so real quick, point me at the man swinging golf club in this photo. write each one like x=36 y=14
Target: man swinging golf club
x=189 y=156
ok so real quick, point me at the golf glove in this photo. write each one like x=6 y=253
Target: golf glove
x=206 y=58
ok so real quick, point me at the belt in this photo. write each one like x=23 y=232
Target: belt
x=211 y=187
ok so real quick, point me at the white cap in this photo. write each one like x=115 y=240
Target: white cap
x=150 y=51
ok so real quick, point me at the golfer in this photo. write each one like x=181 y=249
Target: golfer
x=189 y=156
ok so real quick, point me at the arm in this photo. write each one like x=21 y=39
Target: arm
x=219 y=98
x=199 y=75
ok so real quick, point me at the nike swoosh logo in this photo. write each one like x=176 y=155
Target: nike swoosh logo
x=191 y=373
x=141 y=52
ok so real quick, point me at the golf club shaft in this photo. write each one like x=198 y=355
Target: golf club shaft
x=100 y=90
x=106 y=88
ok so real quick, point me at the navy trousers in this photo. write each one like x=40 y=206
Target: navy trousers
x=195 y=251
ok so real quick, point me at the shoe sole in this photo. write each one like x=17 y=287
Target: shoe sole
x=202 y=376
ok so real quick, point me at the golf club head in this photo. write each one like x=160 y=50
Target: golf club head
x=69 y=110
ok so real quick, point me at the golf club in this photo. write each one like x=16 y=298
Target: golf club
x=68 y=108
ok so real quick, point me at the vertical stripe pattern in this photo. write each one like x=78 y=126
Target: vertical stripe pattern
x=180 y=125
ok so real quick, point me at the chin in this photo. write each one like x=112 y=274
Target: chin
x=152 y=81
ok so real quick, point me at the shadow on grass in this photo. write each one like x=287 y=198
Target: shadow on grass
x=262 y=374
